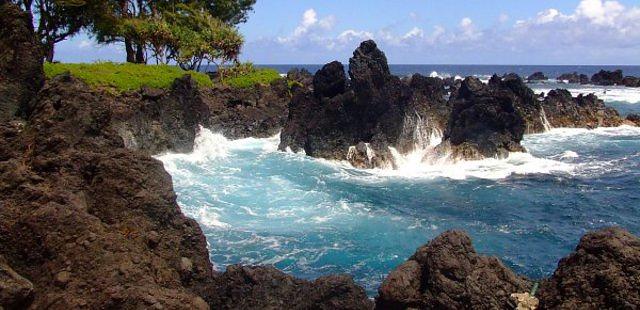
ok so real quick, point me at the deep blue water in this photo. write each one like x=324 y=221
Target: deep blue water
x=313 y=217
x=478 y=70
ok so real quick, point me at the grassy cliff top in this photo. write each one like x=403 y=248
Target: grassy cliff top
x=124 y=77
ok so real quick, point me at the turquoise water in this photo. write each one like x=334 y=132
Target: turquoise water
x=313 y=217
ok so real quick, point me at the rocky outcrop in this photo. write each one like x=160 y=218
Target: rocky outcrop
x=88 y=222
x=484 y=121
x=563 y=110
x=607 y=78
x=574 y=78
x=447 y=273
x=21 y=74
x=602 y=273
x=242 y=287
x=631 y=81
x=634 y=118
x=536 y=77
x=300 y=78
x=156 y=120
x=259 y=111
x=358 y=121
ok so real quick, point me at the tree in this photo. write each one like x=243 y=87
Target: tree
x=57 y=20
x=136 y=22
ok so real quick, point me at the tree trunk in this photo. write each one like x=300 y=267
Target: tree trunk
x=131 y=55
x=140 y=54
x=49 y=51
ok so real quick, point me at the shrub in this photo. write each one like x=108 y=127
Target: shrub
x=254 y=77
x=125 y=76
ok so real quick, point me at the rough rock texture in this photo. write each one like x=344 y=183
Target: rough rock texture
x=631 y=81
x=15 y=291
x=634 y=118
x=78 y=210
x=376 y=111
x=242 y=287
x=537 y=76
x=574 y=78
x=156 y=121
x=300 y=78
x=607 y=78
x=484 y=121
x=448 y=274
x=563 y=110
x=21 y=74
x=259 y=111
x=602 y=273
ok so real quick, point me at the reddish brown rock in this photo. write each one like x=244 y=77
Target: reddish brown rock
x=447 y=273
x=602 y=273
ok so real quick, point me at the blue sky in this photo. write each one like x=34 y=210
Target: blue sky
x=429 y=32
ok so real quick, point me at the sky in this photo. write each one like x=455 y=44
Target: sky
x=527 y=32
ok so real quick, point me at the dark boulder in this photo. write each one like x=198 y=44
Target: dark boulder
x=330 y=80
x=563 y=110
x=21 y=73
x=484 y=122
x=634 y=118
x=574 y=78
x=243 y=287
x=631 y=81
x=447 y=273
x=538 y=76
x=607 y=78
x=602 y=273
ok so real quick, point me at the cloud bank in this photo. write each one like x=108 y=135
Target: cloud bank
x=596 y=32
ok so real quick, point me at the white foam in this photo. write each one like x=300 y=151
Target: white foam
x=434 y=74
x=209 y=146
x=569 y=154
x=606 y=93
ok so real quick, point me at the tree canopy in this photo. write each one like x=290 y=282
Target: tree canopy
x=185 y=31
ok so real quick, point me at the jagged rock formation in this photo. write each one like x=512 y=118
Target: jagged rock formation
x=536 y=77
x=21 y=73
x=563 y=110
x=242 y=287
x=634 y=119
x=574 y=78
x=360 y=120
x=484 y=121
x=447 y=273
x=631 y=81
x=607 y=78
x=602 y=273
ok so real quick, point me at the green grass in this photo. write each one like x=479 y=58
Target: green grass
x=259 y=76
x=125 y=76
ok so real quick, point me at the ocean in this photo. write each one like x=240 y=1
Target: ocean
x=312 y=217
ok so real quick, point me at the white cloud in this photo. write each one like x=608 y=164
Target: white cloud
x=85 y=44
x=593 y=31
x=309 y=28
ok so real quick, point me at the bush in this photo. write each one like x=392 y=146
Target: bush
x=254 y=77
x=125 y=76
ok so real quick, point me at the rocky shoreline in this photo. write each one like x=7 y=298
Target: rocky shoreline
x=88 y=219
